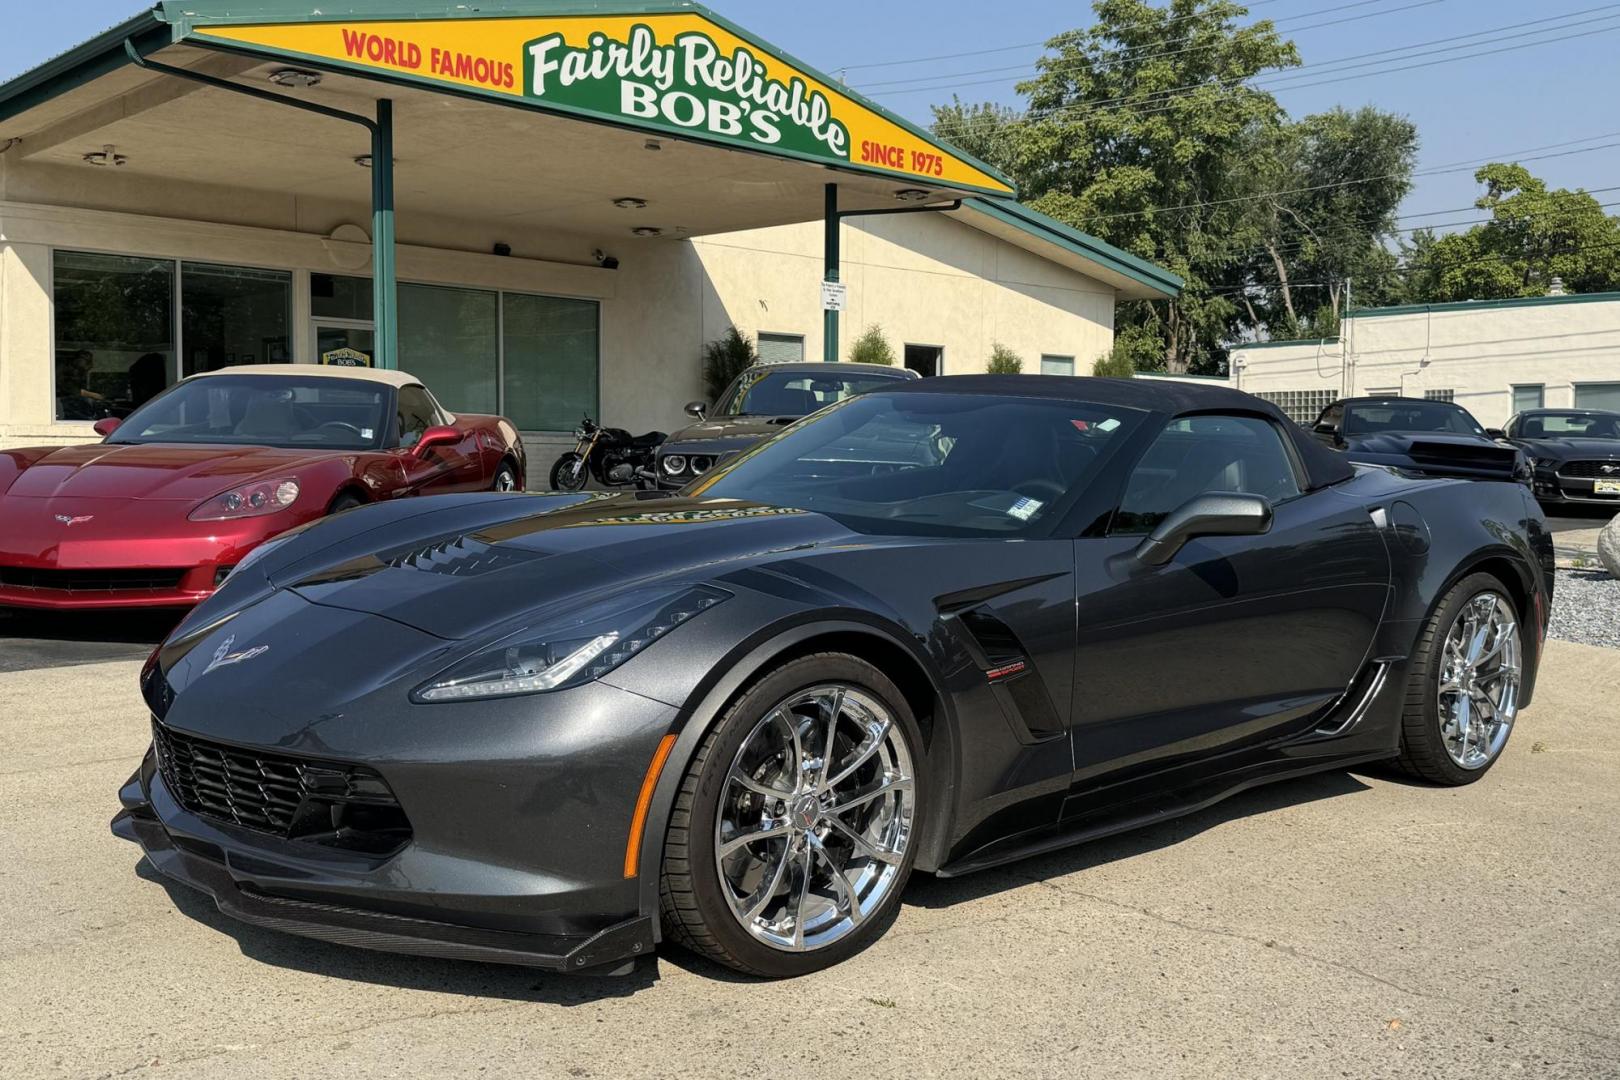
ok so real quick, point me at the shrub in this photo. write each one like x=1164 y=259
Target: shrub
x=872 y=348
x=1003 y=361
x=724 y=359
x=1115 y=363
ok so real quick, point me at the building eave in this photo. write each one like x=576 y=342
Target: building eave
x=1485 y=305
x=1149 y=281
x=82 y=64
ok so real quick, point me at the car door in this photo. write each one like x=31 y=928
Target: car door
x=1237 y=641
x=442 y=467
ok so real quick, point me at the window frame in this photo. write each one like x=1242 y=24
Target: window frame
x=1296 y=465
x=1068 y=357
x=299 y=336
x=1513 y=397
x=780 y=336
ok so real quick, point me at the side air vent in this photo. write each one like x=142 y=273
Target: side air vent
x=459 y=556
x=1016 y=684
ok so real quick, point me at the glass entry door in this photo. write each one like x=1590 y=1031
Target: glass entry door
x=345 y=344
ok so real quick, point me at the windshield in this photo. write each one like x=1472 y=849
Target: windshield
x=1569 y=425
x=932 y=464
x=793 y=393
x=1367 y=419
x=263 y=410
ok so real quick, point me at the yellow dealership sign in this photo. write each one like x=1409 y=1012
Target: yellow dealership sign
x=679 y=73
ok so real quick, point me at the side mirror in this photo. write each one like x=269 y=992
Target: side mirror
x=697 y=410
x=435 y=436
x=1496 y=433
x=107 y=426
x=1214 y=514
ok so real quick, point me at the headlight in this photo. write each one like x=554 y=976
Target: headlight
x=250 y=500
x=701 y=465
x=674 y=464
x=572 y=649
x=579 y=433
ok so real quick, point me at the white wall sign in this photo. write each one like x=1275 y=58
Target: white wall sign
x=833 y=295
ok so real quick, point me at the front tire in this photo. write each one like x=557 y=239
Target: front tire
x=782 y=858
x=569 y=474
x=1463 y=695
x=506 y=478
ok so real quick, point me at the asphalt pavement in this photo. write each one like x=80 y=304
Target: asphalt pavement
x=1347 y=925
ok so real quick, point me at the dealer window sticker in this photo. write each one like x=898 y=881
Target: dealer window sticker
x=1025 y=508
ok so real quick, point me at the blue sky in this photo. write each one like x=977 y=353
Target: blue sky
x=1522 y=97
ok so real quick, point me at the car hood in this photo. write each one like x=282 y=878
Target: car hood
x=461 y=575
x=151 y=471
x=719 y=436
x=1401 y=442
x=1570 y=449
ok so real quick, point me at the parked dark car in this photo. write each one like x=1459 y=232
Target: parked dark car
x=1575 y=453
x=552 y=729
x=758 y=404
x=1434 y=438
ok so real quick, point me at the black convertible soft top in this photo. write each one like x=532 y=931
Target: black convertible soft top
x=1322 y=465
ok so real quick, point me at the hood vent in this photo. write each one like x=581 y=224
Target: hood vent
x=459 y=556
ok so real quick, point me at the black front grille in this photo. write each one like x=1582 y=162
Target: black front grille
x=1591 y=470
x=141 y=580
x=345 y=806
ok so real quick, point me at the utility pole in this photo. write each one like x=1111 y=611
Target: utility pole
x=1348 y=381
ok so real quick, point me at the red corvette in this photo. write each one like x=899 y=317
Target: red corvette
x=158 y=513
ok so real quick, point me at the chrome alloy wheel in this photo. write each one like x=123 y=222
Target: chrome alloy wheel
x=815 y=817
x=1479 y=681
x=506 y=480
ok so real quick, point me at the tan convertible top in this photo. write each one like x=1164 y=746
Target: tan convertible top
x=391 y=378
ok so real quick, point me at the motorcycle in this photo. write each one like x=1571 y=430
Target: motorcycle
x=612 y=456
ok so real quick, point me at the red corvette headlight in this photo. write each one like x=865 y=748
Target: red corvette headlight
x=250 y=500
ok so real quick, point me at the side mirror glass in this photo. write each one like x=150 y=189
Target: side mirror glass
x=107 y=426
x=1213 y=514
x=697 y=410
x=435 y=436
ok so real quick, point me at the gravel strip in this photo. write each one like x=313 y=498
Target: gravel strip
x=1586 y=608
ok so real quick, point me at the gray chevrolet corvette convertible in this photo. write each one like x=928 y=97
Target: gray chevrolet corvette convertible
x=935 y=627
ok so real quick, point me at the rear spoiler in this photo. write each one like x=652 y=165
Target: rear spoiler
x=1470 y=461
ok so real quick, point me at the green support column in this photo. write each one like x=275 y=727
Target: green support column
x=384 y=284
x=829 y=329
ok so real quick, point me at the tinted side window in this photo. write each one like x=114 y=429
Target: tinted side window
x=416 y=414
x=1199 y=454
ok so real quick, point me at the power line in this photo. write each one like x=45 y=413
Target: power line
x=1460 y=167
x=1043 y=42
x=1128 y=55
x=1145 y=107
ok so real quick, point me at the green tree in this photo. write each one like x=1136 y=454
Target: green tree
x=1138 y=131
x=724 y=359
x=1533 y=236
x=872 y=348
x=1003 y=361
x=1119 y=362
x=1321 y=213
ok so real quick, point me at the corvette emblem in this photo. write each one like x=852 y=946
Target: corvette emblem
x=223 y=657
x=71 y=521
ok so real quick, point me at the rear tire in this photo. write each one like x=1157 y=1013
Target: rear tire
x=1435 y=745
x=569 y=474
x=796 y=928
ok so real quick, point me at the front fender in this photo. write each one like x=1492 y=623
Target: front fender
x=740 y=666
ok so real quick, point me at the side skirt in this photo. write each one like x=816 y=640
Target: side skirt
x=1144 y=813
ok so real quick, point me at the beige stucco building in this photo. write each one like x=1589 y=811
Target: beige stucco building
x=1494 y=358
x=164 y=211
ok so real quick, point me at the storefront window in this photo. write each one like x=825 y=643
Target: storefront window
x=332 y=296
x=448 y=339
x=233 y=315
x=551 y=361
x=114 y=333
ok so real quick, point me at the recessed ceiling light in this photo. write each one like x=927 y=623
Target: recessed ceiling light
x=652 y=144
x=296 y=78
x=364 y=161
x=630 y=202
x=912 y=194
x=647 y=230
x=105 y=156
